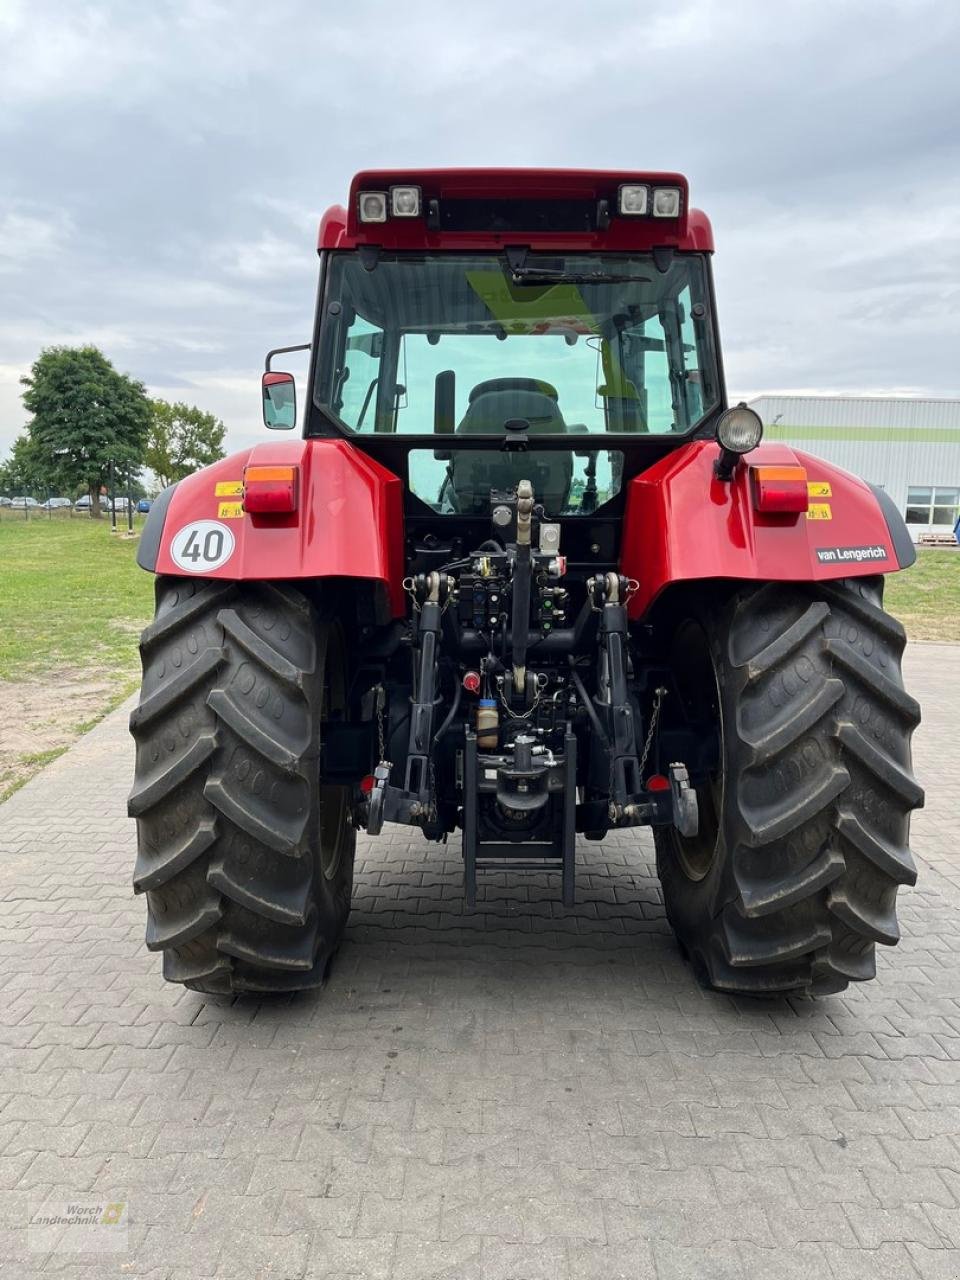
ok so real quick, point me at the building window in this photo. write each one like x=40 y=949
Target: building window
x=932 y=504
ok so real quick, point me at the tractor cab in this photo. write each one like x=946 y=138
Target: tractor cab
x=575 y=307
x=579 y=348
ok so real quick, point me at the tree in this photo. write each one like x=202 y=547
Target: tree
x=86 y=416
x=27 y=470
x=181 y=439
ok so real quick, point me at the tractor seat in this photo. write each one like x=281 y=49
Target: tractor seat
x=475 y=472
x=512 y=384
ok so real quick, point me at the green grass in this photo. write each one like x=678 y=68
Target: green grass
x=71 y=594
x=38 y=759
x=72 y=604
x=926 y=597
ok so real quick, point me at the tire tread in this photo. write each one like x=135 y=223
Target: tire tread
x=818 y=775
x=227 y=790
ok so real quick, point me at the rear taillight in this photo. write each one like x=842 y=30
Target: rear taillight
x=269 y=490
x=779 y=490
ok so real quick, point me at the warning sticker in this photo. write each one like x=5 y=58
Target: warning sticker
x=819 y=511
x=847 y=555
x=819 y=489
x=228 y=489
x=230 y=510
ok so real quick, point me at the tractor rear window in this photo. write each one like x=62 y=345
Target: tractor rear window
x=457 y=344
x=567 y=482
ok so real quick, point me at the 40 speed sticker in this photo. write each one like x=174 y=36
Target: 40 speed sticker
x=202 y=546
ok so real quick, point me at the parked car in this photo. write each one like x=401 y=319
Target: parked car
x=55 y=504
x=144 y=505
x=6 y=502
x=83 y=502
x=23 y=503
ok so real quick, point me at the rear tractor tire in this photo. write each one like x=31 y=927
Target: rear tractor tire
x=804 y=818
x=244 y=855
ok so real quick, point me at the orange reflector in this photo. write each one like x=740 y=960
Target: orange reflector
x=268 y=473
x=269 y=490
x=781 y=490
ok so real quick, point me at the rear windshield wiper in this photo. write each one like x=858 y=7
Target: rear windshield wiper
x=544 y=275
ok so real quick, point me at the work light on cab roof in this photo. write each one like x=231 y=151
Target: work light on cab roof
x=538 y=207
x=528 y=576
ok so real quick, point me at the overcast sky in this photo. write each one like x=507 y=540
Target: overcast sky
x=163 y=167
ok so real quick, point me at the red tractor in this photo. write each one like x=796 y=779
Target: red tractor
x=525 y=575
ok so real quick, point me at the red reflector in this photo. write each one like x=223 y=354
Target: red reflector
x=780 y=489
x=366 y=784
x=658 y=783
x=471 y=682
x=270 y=490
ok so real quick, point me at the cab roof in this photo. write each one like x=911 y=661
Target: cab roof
x=573 y=209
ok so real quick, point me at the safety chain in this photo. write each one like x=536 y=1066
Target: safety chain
x=408 y=585
x=381 y=735
x=658 y=696
x=520 y=715
x=432 y=811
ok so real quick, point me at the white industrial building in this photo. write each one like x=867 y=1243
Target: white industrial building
x=910 y=447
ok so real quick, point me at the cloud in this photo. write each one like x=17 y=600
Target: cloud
x=165 y=167
x=850 y=301
x=266 y=257
x=26 y=236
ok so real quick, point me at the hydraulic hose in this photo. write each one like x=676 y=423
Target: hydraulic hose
x=588 y=705
x=454 y=708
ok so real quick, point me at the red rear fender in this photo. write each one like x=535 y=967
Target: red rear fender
x=683 y=524
x=348 y=522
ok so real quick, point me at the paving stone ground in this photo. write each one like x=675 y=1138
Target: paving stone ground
x=521 y=1094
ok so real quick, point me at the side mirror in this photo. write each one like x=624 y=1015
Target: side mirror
x=279 y=401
